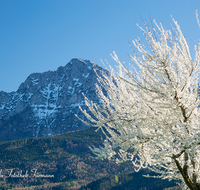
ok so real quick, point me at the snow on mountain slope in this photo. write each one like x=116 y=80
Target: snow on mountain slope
x=45 y=103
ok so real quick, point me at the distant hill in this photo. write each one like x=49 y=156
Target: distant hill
x=66 y=157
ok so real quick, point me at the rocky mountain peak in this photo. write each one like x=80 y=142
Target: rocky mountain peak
x=45 y=103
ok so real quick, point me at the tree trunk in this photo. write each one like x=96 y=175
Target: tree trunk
x=184 y=173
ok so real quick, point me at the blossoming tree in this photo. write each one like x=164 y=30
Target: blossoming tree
x=151 y=116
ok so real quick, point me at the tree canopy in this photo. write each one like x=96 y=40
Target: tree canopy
x=151 y=116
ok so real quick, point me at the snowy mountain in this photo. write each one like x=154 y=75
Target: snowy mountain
x=45 y=103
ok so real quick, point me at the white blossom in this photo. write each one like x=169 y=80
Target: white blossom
x=151 y=116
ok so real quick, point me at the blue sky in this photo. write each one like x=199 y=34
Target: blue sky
x=41 y=35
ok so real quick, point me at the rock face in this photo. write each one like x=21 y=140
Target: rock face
x=45 y=103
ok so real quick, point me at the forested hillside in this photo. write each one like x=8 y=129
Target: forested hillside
x=67 y=158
